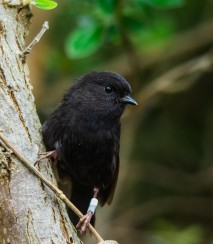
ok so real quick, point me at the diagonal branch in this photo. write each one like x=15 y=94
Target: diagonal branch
x=166 y=81
x=28 y=49
x=55 y=189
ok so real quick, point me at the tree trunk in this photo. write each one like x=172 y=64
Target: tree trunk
x=29 y=211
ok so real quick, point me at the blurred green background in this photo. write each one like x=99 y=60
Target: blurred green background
x=164 y=49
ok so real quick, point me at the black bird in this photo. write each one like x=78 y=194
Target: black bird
x=83 y=135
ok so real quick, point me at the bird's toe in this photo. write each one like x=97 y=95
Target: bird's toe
x=83 y=223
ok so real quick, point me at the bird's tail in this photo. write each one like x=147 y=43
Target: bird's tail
x=80 y=197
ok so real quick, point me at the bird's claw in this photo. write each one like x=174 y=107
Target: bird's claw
x=84 y=222
x=44 y=155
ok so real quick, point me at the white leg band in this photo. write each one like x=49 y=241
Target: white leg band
x=93 y=204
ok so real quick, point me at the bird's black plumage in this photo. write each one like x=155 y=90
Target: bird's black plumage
x=85 y=131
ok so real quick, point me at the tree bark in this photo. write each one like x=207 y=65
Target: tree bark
x=29 y=211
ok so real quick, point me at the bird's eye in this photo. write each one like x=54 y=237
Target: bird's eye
x=108 y=89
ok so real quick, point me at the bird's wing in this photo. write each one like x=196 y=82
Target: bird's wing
x=108 y=193
x=114 y=183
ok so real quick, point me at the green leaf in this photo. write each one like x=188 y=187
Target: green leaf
x=164 y=3
x=84 y=41
x=44 y=4
x=132 y=23
x=107 y=6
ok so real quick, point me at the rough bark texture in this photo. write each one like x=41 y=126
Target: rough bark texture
x=29 y=211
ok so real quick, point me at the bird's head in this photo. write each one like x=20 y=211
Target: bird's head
x=103 y=93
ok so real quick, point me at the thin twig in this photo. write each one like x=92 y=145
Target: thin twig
x=28 y=49
x=55 y=189
x=164 y=82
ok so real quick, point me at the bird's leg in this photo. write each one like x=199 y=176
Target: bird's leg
x=50 y=154
x=85 y=220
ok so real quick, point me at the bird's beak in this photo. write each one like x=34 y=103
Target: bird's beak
x=128 y=100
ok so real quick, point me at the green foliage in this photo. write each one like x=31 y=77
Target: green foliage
x=44 y=4
x=107 y=7
x=108 y=15
x=84 y=40
x=164 y=3
x=167 y=232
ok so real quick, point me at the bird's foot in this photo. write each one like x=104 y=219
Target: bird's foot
x=44 y=155
x=84 y=222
